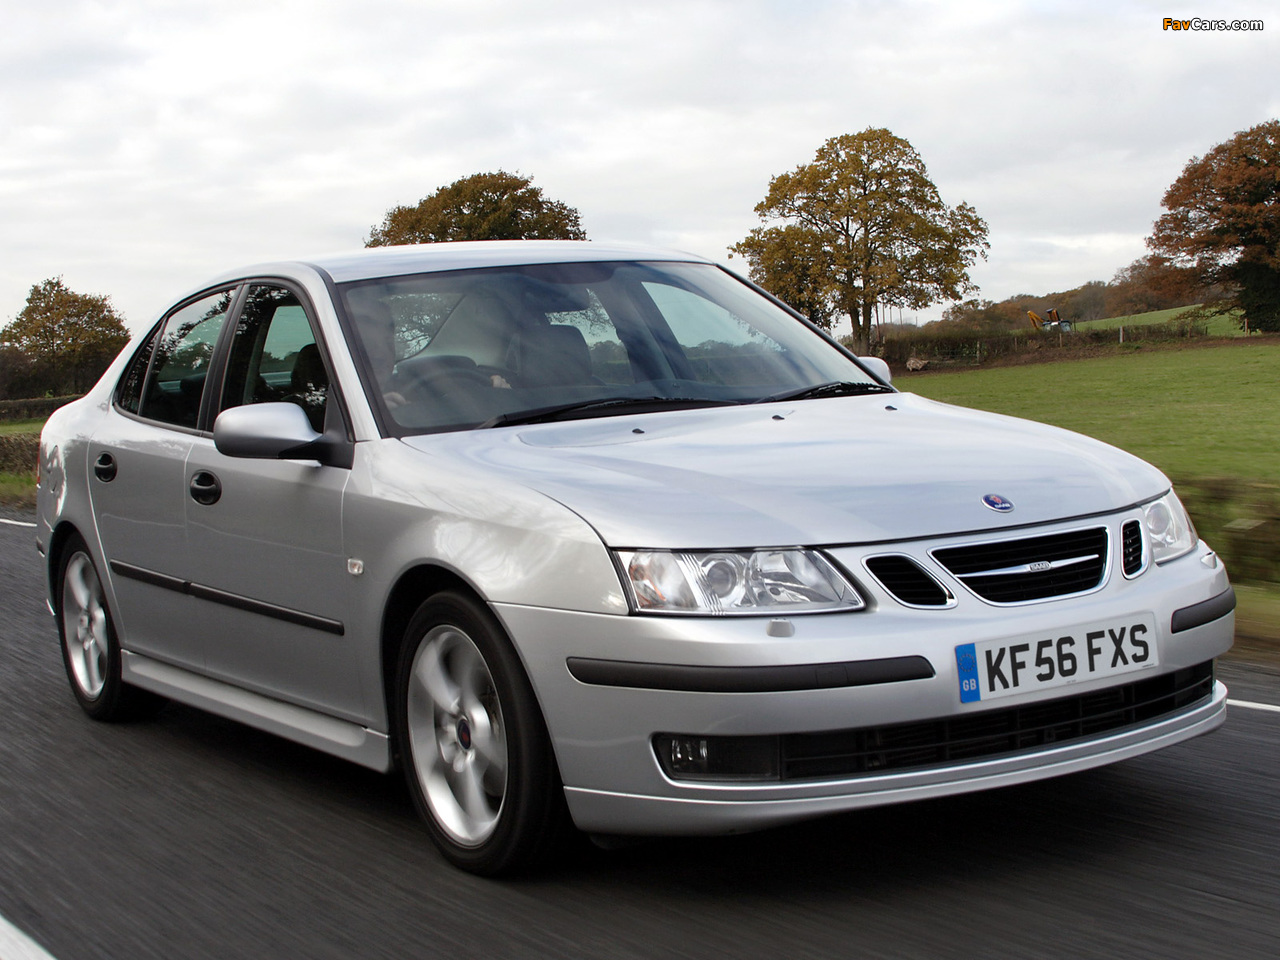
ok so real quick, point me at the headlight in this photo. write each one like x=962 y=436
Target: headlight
x=735 y=582
x=1168 y=528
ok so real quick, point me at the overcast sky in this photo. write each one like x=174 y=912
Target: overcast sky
x=146 y=145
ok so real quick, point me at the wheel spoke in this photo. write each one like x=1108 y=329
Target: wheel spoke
x=469 y=790
x=489 y=746
x=92 y=667
x=471 y=674
x=98 y=628
x=77 y=579
x=431 y=675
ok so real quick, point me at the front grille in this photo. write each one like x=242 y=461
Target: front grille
x=1131 y=547
x=908 y=582
x=991 y=733
x=1035 y=568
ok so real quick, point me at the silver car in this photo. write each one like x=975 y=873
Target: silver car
x=593 y=536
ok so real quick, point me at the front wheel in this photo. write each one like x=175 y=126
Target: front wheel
x=476 y=753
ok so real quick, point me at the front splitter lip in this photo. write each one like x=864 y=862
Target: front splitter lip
x=717 y=809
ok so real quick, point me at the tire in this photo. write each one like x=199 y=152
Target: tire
x=474 y=747
x=90 y=649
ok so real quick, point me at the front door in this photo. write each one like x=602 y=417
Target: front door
x=268 y=533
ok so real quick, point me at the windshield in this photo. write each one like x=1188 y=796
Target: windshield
x=466 y=348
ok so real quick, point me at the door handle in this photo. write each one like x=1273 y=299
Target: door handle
x=205 y=488
x=104 y=468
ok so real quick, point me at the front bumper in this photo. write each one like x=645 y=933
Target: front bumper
x=602 y=731
x=719 y=811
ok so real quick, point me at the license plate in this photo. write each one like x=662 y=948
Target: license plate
x=1002 y=668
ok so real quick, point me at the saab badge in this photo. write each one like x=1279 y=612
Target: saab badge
x=998 y=503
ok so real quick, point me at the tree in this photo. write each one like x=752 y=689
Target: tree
x=483 y=206
x=1151 y=283
x=1223 y=220
x=15 y=373
x=862 y=225
x=1086 y=302
x=792 y=265
x=985 y=316
x=70 y=338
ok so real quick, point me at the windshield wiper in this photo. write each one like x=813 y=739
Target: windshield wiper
x=833 y=388
x=610 y=405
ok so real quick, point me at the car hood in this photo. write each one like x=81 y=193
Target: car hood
x=816 y=472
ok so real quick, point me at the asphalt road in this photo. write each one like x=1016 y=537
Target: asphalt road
x=189 y=836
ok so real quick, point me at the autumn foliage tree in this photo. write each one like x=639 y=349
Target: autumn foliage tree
x=1152 y=283
x=1223 y=221
x=68 y=338
x=483 y=206
x=985 y=315
x=859 y=226
x=791 y=262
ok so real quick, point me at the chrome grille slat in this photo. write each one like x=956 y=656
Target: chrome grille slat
x=1040 y=566
x=1031 y=568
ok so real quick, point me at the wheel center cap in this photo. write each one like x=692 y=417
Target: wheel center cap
x=464 y=734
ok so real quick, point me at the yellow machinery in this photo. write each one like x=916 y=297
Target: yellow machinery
x=1049 y=322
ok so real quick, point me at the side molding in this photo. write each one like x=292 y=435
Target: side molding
x=344 y=739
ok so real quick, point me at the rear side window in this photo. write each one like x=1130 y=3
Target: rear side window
x=179 y=364
x=129 y=393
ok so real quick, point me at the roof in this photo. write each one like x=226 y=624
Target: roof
x=433 y=257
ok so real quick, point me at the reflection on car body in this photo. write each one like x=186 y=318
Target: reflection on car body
x=599 y=537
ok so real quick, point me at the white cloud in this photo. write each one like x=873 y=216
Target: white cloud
x=148 y=144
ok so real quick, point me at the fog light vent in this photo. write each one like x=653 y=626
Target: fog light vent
x=688 y=757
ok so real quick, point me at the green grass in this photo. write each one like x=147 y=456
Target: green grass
x=1222 y=325
x=1257 y=622
x=21 y=426
x=18 y=489
x=1203 y=413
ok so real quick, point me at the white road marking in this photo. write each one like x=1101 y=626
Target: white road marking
x=1268 y=707
x=17 y=523
x=16 y=945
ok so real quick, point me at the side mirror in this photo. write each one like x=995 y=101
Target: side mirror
x=878 y=367
x=267 y=431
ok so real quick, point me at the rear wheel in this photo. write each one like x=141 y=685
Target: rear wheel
x=90 y=650
x=476 y=753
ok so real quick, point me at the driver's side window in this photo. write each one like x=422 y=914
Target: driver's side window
x=274 y=356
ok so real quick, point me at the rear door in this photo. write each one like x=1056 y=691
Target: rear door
x=137 y=465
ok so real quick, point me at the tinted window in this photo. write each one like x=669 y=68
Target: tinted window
x=180 y=365
x=274 y=356
x=129 y=393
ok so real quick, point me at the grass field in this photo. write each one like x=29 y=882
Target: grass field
x=16 y=488
x=1196 y=414
x=1223 y=325
x=21 y=426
